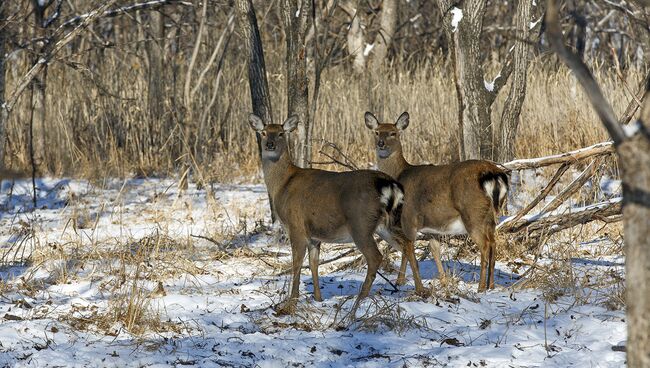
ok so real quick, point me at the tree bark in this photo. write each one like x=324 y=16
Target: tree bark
x=155 y=53
x=257 y=82
x=384 y=38
x=634 y=161
x=356 y=40
x=38 y=115
x=3 y=110
x=296 y=17
x=507 y=130
x=475 y=108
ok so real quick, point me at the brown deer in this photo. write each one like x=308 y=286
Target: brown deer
x=317 y=206
x=460 y=198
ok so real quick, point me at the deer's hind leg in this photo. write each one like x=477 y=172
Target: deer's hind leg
x=481 y=228
x=314 y=254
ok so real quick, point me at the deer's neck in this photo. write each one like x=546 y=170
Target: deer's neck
x=394 y=164
x=277 y=173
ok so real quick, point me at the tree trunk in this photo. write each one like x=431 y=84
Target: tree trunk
x=356 y=41
x=474 y=105
x=384 y=38
x=155 y=48
x=634 y=161
x=506 y=133
x=257 y=82
x=296 y=17
x=3 y=110
x=38 y=116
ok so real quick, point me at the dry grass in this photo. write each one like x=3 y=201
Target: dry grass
x=92 y=134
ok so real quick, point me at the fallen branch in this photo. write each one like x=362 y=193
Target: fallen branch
x=540 y=197
x=598 y=149
x=573 y=187
x=553 y=223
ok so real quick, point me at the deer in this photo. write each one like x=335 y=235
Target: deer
x=317 y=206
x=455 y=199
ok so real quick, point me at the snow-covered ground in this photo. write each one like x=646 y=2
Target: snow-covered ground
x=134 y=273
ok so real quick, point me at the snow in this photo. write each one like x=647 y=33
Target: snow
x=367 y=49
x=489 y=86
x=534 y=24
x=216 y=309
x=456 y=16
x=632 y=128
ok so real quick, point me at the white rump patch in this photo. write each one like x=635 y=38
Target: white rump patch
x=456 y=227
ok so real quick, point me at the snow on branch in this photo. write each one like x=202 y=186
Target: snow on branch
x=598 y=149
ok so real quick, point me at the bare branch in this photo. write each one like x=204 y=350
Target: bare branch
x=599 y=149
x=24 y=82
x=126 y=9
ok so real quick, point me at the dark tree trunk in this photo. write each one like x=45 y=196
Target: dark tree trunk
x=38 y=115
x=296 y=16
x=155 y=55
x=506 y=133
x=3 y=110
x=257 y=82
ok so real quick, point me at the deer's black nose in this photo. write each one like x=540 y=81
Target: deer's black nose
x=381 y=143
x=270 y=146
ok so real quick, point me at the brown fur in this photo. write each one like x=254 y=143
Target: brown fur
x=321 y=206
x=438 y=196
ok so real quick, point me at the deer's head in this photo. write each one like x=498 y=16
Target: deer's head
x=274 y=141
x=387 y=135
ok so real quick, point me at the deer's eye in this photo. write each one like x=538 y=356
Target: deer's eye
x=263 y=133
x=393 y=134
x=280 y=134
x=377 y=133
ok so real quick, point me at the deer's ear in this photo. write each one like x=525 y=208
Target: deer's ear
x=371 y=120
x=290 y=124
x=256 y=122
x=403 y=121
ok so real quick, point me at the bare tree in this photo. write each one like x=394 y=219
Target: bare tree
x=297 y=16
x=506 y=131
x=366 y=54
x=155 y=48
x=633 y=149
x=3 y=111
x=463 y=25
x=257 y=81
x=37 y=126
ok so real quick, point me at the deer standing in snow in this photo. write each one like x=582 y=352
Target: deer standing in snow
x=459 y=198
x=336 y=207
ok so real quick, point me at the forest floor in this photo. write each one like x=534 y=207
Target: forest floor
x=137 y=274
